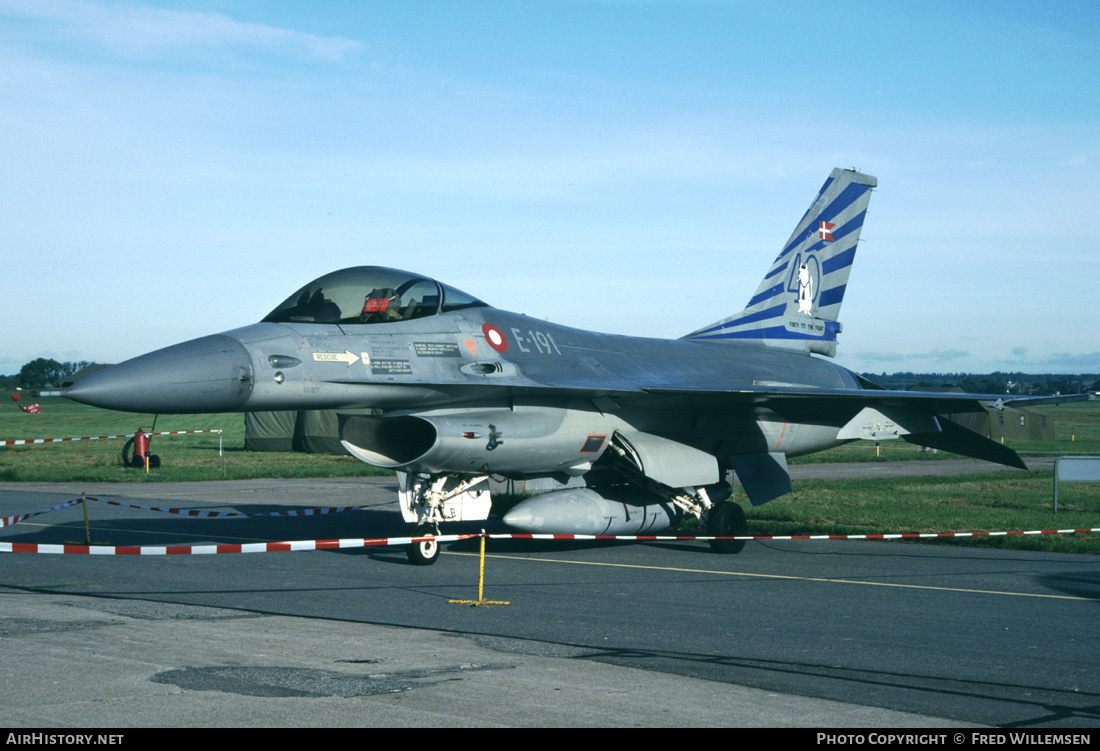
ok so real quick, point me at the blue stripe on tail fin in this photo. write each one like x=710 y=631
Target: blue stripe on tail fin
x=797 y=304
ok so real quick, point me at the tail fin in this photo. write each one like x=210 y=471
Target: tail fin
x=798 y=302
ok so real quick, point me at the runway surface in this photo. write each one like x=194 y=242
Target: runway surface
x=812 y=634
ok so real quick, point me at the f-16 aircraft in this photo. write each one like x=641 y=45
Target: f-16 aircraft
x=634 y=433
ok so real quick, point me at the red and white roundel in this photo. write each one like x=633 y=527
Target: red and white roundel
x=495 y=337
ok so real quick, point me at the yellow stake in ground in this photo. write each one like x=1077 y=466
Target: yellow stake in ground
x=480 y=583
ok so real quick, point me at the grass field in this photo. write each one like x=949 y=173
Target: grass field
x=986 y=502
x=184 y=457
x=997 y=502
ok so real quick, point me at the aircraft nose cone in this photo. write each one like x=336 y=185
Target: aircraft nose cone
x=211 y=374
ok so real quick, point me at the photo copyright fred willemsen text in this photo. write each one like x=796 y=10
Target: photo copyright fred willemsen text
x=956 y=739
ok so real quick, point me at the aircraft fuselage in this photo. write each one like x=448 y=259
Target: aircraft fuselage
x=476 y=358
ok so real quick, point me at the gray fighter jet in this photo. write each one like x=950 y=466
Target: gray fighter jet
x=634 y=433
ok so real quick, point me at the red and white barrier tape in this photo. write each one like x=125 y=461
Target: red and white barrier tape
x=903 y=536
x=29 y=441
x=8 y=521
x=254 y=547
x=278 y=547
x=273 y=547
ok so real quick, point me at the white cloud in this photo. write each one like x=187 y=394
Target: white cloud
x=144 y=31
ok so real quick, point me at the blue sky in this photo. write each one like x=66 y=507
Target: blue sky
x=169 y=170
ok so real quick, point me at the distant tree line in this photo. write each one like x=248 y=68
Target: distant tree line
x=42 y=373
x=997 y=382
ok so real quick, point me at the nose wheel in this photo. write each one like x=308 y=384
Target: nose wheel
x=423 y=553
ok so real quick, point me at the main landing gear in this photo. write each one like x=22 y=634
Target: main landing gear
x=712 y=505
x=727 y=519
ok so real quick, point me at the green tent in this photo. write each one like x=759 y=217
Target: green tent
x=308 y=431
x=269 y=431
x=1009 y=424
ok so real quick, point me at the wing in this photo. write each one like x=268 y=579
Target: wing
x=877 y=414
x=869 y=413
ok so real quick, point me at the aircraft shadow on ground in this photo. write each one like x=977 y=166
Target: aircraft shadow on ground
x=107 y=527
x=1036 y=705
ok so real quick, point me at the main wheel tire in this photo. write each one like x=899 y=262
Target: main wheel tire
x=727 y=520
x=423 y=553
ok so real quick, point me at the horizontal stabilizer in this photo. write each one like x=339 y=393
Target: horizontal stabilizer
x=959 y=440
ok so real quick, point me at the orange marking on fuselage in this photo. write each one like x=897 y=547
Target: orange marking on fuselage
x=781 y=434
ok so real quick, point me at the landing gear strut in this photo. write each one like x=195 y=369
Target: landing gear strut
x=429 y=500
x=719 y=516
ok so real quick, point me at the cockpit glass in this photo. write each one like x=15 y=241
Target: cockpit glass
x=454 y=299
x=368 y=294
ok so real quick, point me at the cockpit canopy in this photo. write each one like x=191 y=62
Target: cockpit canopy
x=370 y=294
